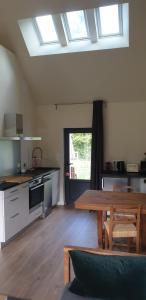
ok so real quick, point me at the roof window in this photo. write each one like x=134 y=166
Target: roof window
x=109 y=20
x=105 y=27
x=46 y=29
x=76 y=26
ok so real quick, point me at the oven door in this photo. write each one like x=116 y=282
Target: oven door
x=36 y=196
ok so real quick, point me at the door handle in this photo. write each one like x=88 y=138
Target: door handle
x=67 y=174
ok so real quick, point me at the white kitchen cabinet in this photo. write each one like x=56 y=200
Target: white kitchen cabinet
x=35 y=214
x=108 y=182
x=55 y=175
x=14 y=211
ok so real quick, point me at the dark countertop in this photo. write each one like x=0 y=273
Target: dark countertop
x=32 y=172
x=107 y=173
x=7 y=185
x=39 y=171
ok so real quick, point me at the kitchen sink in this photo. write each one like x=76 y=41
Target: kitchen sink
x=39 y=171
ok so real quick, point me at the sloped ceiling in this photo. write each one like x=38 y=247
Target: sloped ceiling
x=114 y=75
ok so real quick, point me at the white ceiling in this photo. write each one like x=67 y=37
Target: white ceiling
x=114 y=75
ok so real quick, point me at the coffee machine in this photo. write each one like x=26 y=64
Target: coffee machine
x=121 y=166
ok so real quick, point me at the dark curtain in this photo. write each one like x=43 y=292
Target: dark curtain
x=97 y=145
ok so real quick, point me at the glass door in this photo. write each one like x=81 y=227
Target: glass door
x=77 y=159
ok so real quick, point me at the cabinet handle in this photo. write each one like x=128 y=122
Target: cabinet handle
x=14 y=191
x=14 y=199
x=102 y=182
x=13 y=217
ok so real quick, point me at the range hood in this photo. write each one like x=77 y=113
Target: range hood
x=13 y=129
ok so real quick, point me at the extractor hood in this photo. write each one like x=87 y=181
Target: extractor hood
x=13 y=129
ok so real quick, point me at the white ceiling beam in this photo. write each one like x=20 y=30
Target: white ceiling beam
x=91 y=25
x=60 y=30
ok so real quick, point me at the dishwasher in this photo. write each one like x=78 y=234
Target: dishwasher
x=47 y=202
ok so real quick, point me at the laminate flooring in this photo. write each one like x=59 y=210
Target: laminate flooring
x=31 y=265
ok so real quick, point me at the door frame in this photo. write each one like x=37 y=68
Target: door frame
x=66 y=156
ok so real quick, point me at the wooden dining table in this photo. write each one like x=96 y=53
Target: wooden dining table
x=100 y=201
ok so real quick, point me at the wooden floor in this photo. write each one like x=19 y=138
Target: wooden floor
x=31 y=266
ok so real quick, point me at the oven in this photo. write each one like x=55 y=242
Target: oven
x=36 y=193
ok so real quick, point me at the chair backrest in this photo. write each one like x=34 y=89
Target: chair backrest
x=121 y=187
x=119 y=215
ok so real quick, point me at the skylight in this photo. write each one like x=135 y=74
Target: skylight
x=76 y=25
x=46 y=28
x=105 y=27
x=109 y=20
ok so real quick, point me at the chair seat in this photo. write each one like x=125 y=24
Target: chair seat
x=121 y=230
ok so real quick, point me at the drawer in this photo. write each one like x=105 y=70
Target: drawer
x=11 y=192
x=12 y=205
x=13 y=225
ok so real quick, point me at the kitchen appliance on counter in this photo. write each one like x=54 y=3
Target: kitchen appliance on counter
x=121 y=166
x=132 y=168
x=143 y=166
x=108 y=166
x=47 y=203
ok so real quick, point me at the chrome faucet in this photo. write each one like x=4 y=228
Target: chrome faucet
x=35 y=158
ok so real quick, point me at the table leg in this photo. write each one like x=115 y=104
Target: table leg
x=143 y=233
x=99 y=229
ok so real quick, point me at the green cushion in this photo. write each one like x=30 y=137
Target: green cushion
x=109 y=277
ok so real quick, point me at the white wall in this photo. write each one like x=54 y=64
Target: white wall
x=15 y=96
x=50 y=126
x=125 y=125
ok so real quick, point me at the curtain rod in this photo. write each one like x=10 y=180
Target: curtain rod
x=77 y=103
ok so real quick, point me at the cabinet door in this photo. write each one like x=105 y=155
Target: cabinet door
x=13 y=225
x=24 y=203
x=16 y=210
x=107 y=183
x=135 y=185
x=55 y=187
x=2 y=225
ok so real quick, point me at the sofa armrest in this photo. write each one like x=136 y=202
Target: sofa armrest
x=67 y=263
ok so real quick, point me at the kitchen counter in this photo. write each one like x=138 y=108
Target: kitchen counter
x=109 y=173
x=39 y=171
x=7 y=182
x=16 y=200
x=7 y=185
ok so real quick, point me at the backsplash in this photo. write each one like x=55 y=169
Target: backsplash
x=9 y=157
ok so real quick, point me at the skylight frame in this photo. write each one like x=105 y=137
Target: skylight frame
x=99 y=27
x=67 y=28
x=39 y=35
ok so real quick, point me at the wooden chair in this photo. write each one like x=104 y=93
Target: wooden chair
x=117 y=187
x=120 y=226
x=120 y=187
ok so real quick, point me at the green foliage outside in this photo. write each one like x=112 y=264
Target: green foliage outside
x=82 y=144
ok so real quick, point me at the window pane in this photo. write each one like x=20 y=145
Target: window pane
x=109 y=18
x=47 y=29
x=80 y=155
x=77 y=25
